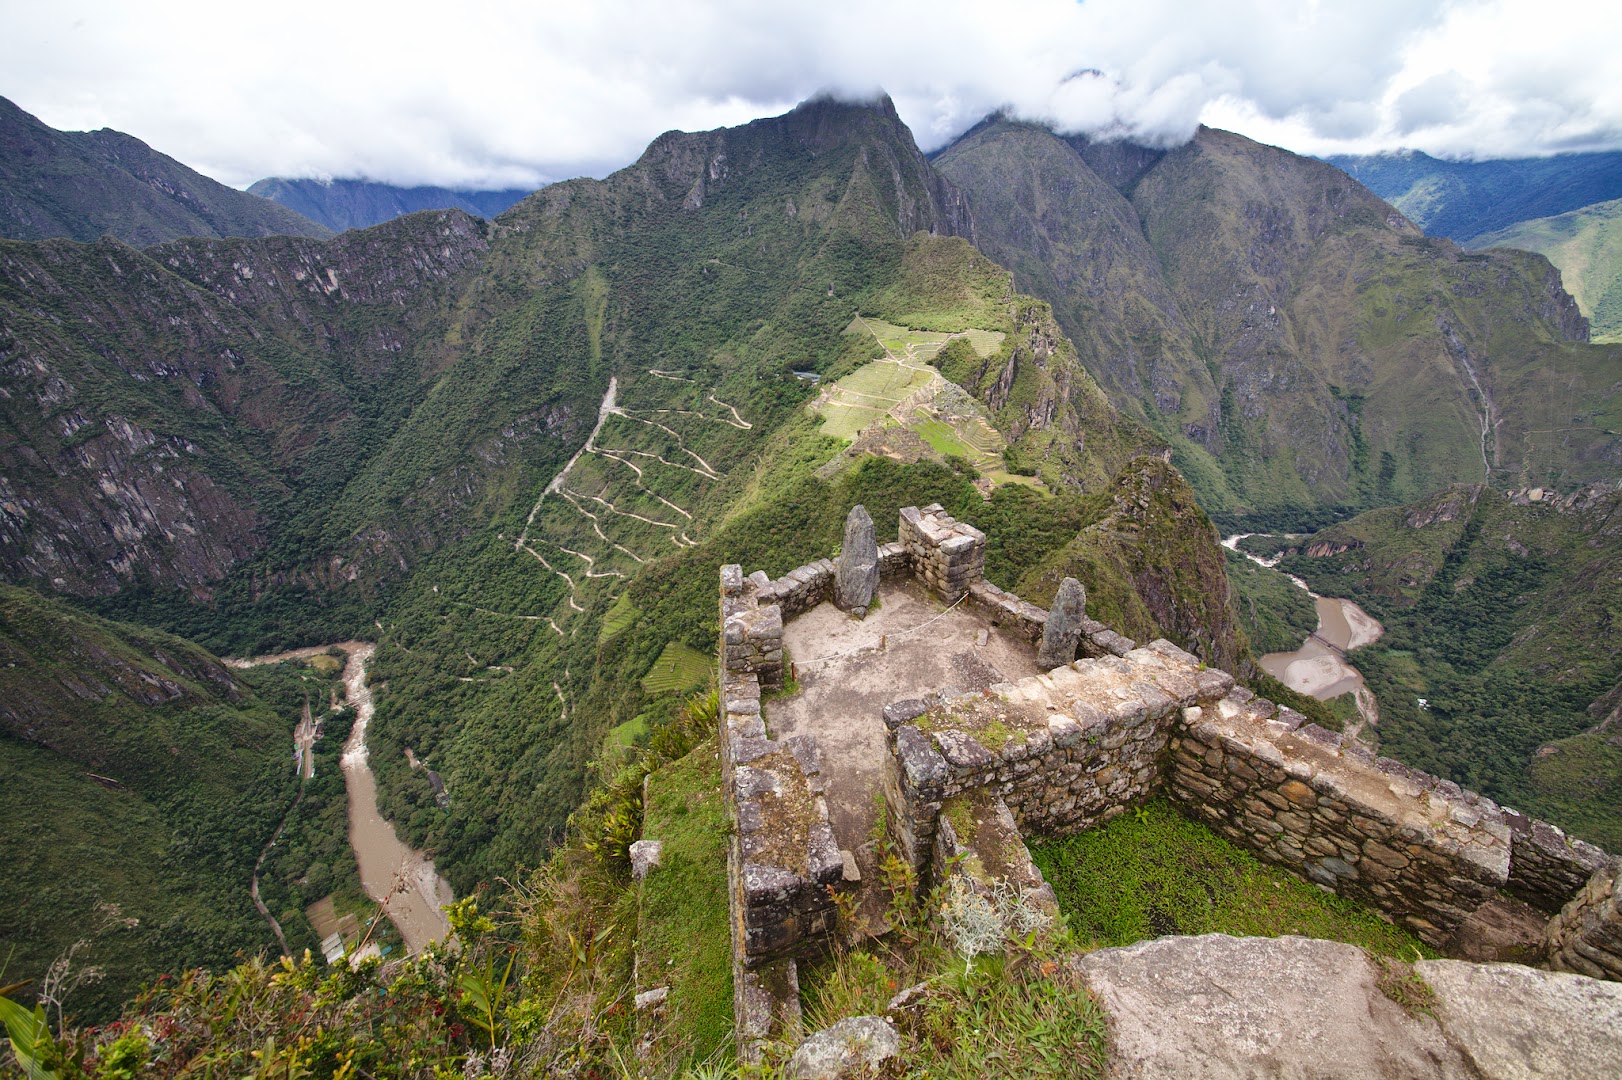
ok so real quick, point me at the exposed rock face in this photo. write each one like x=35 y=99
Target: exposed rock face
x=858 y=573
x=1514 y=1021
x=1216 y=1006
x=1062 y=635
x=855 y=1046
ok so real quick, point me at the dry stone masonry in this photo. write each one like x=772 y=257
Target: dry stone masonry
x=968 y=775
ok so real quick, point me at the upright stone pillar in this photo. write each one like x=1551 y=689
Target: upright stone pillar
x=1062 y=635
x=858 y=573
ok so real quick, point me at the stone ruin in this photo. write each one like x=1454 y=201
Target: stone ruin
x=1105 y=726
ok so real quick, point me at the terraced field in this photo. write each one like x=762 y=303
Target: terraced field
x=900 y=389
x=679 y=668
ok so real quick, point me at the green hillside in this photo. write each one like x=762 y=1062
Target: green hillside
x=84 y=184
x=1464 y=199
x=1302 y=350
x=1499 y=614
x=141 y=779
x=1586 y=247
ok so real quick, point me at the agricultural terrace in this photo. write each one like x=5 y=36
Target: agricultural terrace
x=901 y=390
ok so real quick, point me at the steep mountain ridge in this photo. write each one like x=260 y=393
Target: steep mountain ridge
x=82 y=184
x=1297 y=342
x=1463 y=199
x=1586 y=246
x=341 y=204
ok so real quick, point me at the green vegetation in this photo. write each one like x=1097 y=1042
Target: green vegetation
x=1274 y=614
x=1274 y=429
x=682 y=929
x=1497 y=647
x=147 y=778
x=86 y=184
x=1153 y=872
x=1464 y=199
x=678 y=668
x=617 y=619
x=1586 y=247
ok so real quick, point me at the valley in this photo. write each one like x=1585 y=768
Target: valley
x=498 y=461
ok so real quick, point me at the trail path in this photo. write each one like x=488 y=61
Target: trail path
x=578 y=500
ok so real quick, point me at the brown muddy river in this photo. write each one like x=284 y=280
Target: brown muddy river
x=392 y=873
x=1319 y=668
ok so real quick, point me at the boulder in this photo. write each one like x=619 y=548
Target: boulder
x=857 y=576
x=1516 y=1021
x=1220 y=1007
x=1062 y=634
x=644 y=857
x=855 y=1046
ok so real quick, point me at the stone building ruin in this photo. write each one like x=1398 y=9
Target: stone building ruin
x=967 y=772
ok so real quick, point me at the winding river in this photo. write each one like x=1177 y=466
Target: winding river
x=393 y=874
x=1319 y=668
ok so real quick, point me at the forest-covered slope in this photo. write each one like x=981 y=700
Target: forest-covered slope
x=360 y=204
x=1298 y=343
x=1586 y=246
x=1501 y=660
x=1463 y=199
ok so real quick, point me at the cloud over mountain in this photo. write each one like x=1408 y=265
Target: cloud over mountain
x=514 y=94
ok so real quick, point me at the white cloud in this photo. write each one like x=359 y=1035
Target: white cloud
x=516 y=93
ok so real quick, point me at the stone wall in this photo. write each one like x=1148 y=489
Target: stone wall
x=979 y=842
x=1065 y=751
x=783 y=857
x=945 y=554
x=1025 y=618
x=751 y=632
x=1586 y=937
x=1422 y=850
x=1547 y=867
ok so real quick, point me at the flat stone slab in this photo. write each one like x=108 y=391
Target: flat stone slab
x=1223 y=1007
x=1514 y=1021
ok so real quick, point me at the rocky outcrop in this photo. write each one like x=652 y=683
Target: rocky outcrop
x=1061 y=635
x=855 y=1046
x=858 y=573
x=1218 y=1007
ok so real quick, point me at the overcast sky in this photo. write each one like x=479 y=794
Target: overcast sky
x=521 y=93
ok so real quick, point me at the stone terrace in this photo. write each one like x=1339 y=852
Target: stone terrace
x=948 y=715
x=911 y=645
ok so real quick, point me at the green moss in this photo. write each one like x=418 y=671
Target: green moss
x=1153 y=872
x=684 y=940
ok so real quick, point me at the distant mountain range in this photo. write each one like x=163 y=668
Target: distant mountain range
x=1463 y=199
x=1586 y=245
x=86 y=184
x=358 y=204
